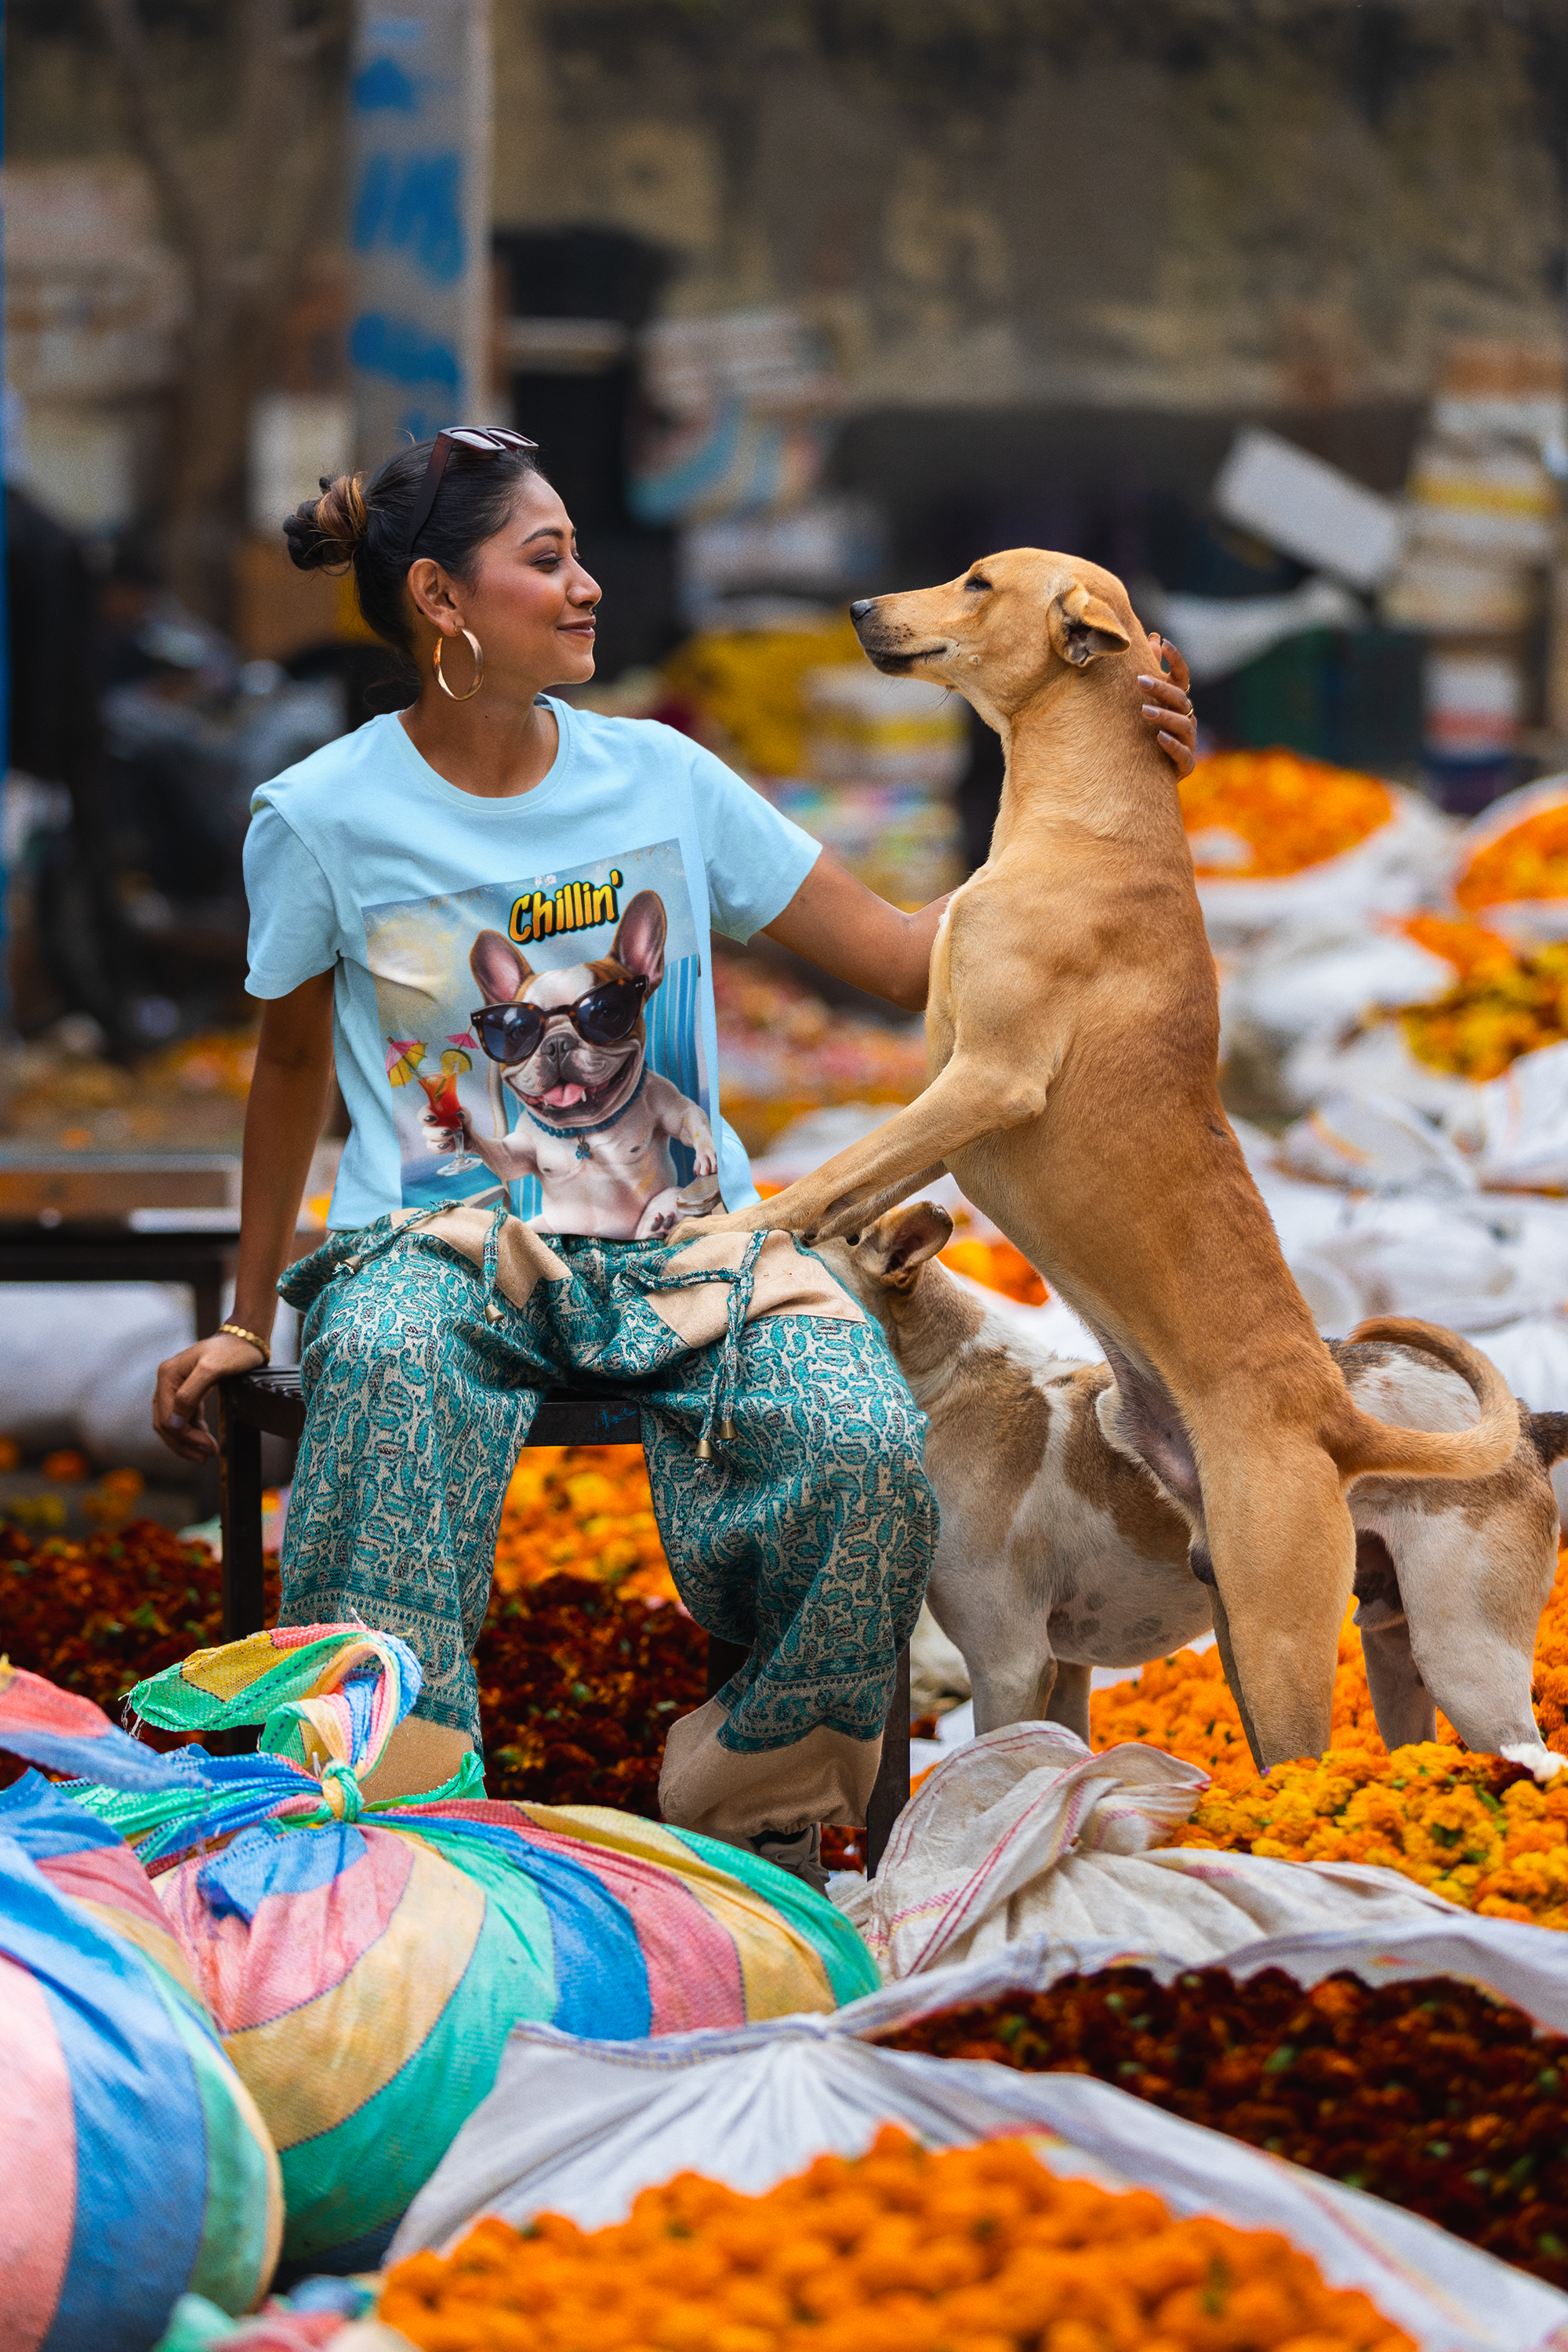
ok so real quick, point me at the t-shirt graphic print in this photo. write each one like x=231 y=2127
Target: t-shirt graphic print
x=543 y=1044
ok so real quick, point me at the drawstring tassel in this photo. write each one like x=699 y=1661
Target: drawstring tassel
x=492 y=1252
x=721 y=1404
x=720 y=1420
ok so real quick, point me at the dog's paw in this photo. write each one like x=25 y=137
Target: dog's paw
x=1535 y=1758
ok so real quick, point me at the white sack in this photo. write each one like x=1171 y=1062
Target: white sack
x=1309 y=980
x=1374 y=1144
x=78 y=1364
x=1479 y=1263
x=1376 y=1061
x=581 y=2127
x=1027 y=1832
x=1532 y=1357
x=1514 y=1129
x=1394 y=870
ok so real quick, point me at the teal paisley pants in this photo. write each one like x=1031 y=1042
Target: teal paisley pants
x=807 y=1540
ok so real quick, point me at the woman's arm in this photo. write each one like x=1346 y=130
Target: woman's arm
x=282 y=1122
x=836 y=922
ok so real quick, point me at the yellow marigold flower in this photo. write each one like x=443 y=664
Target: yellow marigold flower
x=1475 y=1830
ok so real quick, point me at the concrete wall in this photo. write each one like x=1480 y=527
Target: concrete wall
x=1193 y=205
x=1040 y=207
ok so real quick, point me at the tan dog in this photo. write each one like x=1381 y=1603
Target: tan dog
x=1059 y=1553
x=1072 y=1034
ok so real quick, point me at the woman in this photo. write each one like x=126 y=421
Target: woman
x=491 y=910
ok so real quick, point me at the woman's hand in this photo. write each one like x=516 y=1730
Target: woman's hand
x=185 y=1380
x=1169 y=708
x=282 y=1119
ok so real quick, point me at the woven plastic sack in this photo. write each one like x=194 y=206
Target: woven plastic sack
x=367 y=1962
x=1025 y=1832
x=580 y=2128
x=1515 y=885
x=1390 y=872
x=134 y=2165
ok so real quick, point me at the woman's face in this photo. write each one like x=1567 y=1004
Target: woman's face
x=530 y=601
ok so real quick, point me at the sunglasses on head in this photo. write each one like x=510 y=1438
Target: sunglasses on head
x=480 y=441
x=511 y=1034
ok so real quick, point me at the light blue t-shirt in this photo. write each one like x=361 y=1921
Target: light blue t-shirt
x=523 y=1000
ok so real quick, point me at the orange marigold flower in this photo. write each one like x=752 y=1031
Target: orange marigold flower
x=900 y=2252
x=1470 y=1827
x=582 y=1510
x=1250 y=814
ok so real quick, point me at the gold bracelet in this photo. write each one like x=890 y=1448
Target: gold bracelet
x=238 y=1331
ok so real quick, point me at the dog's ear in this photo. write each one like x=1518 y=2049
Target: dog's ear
x=638 y=945
x=1083 y=627
x=502 y=975
x=894 y=1249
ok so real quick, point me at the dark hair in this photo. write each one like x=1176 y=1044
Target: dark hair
x=366 y=530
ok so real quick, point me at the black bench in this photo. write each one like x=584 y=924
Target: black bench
x=270 y=1401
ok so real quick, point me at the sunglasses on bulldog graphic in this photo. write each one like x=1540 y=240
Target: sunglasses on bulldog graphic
x=511 y=1034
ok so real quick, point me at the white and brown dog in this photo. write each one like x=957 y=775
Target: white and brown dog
x=596 y=1126
x=1060 y=1551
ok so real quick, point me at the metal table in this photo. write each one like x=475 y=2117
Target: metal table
x=270 y=1401
x=125 y=1249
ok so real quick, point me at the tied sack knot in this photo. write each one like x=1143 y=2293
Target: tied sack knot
x=341 y=1789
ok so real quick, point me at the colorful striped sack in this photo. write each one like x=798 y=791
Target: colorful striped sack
x=367 y=1962
x=134 y=2165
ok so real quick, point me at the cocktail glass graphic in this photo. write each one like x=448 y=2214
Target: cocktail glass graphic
x=441 y=1093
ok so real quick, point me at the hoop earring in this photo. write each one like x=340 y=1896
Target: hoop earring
x=478 y=653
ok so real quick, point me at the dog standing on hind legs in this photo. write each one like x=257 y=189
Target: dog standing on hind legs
x=1072 y=1032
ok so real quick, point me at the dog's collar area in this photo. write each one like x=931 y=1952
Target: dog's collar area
x=577 y=1134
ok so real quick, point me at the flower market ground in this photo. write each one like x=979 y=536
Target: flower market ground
x=587 y=1656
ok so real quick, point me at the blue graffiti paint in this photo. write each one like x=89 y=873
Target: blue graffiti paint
x=401 y=349
x=428 y=216
x=383 y=88
x=373 y=201
x=414 y=207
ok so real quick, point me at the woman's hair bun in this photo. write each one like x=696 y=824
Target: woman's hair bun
x=326 y=533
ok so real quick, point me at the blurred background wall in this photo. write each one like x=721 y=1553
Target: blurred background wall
x=1051 y=249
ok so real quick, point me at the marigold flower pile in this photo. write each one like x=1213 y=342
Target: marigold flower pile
x=1473 y=1828
x=782 y=1051
x=1432 y=2095
x=1529 y=861
x=578 y=1686
x=1501 y=1006
x=899 y=2251
x=582 y=1510
x=744 y=687
x=1256 y=815
x=999 y=1266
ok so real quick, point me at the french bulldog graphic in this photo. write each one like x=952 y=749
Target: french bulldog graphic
x=597 y=1124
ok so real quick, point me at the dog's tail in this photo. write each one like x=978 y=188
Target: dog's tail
x=1363 y=1447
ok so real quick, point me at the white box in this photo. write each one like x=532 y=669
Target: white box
x=1308 y=509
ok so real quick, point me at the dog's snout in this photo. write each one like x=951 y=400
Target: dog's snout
x=860 y=607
